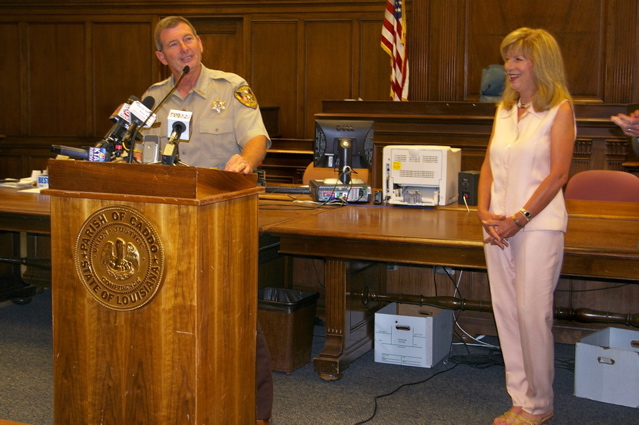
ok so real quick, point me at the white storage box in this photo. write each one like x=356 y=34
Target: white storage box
x=607 y=367
x=412 y=335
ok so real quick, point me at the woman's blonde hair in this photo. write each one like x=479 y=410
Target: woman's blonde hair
x=549 y=75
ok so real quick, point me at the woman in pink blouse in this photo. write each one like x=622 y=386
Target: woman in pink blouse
x=522 y=211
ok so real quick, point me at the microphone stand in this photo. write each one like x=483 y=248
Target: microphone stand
x=171 y=155
x=157 y=108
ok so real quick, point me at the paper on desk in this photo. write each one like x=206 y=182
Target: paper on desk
x=15 y=184
x=31 y=190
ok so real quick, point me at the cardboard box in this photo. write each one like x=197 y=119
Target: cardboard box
x=412 y=335
x=607 y=367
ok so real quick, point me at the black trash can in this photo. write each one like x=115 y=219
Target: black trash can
x=287 y=318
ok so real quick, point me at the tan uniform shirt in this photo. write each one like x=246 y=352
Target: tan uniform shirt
x=221 y=123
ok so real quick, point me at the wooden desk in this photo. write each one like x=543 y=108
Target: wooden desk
x=21 y=216
x=30 y=212
x=24 y=212
x=27 y=216
x=601 y=242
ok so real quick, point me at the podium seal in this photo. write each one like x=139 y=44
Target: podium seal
x=119 y=258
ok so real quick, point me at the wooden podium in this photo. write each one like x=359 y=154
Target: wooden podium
x=154 y=273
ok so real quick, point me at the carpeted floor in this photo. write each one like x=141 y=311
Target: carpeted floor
x=466 y=389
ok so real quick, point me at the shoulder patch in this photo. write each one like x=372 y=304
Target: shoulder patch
x=246 y=97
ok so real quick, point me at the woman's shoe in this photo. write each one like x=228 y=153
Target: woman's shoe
x=520 y=420
x=507 y=418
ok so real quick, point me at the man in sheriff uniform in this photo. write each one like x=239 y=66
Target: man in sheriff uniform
x=227 y=128
x=227 y=133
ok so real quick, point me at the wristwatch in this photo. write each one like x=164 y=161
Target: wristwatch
x=527 y=215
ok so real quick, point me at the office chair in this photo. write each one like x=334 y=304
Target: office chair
x=312 y=173
x=603 y=185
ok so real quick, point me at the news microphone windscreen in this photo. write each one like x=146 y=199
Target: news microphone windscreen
x=148 y=101
x=121 y=114
x=141 y=113
x=179 y=120
x=186 y=69
x=179 y=126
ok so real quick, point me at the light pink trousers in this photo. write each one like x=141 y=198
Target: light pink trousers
x=523 y=278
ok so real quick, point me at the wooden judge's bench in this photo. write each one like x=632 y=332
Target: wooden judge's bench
x=467 y=125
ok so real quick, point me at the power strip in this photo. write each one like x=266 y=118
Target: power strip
x=321 y=192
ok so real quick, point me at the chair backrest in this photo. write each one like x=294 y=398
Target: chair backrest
x=493 y=81
x=603 y=185
x=312 y=173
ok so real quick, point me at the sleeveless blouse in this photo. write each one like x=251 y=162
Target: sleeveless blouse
x=520 y=161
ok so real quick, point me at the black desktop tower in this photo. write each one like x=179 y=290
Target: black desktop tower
x=468 y=182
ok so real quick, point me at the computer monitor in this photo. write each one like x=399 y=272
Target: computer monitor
x=343 y=143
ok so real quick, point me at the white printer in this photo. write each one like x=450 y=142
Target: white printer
x=420 y=175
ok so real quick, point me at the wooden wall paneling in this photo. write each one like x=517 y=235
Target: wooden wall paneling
x=581 y=155
x=446 y=57
x=580 y=38
x=419 y=18
x=633 y=37
x=617 y=151
x=328 y=66
x=482 y=44
x=599 y=154
x=223 y=41
x=12 y=69
x=123 y=60
x=275 y=69
x=57 y=95
x=622 y=46
x=448 y=46
x=10 y=165
x=356 y=59
x=19 y=158
x=374 y=69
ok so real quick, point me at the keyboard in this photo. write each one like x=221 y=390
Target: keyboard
x=288 y=188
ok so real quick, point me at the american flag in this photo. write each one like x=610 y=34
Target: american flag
x=394 y=43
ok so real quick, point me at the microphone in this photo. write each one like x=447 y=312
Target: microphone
x=179 y=129
x=185 y=71
x=140 y=113
x=122 y=118
x=71 y=152
x=153 y=113
x=179 y=126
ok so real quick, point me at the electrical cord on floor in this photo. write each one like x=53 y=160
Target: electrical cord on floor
x=399 y=388
x=565 y=364
x=321 y=282
x=479 y=361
